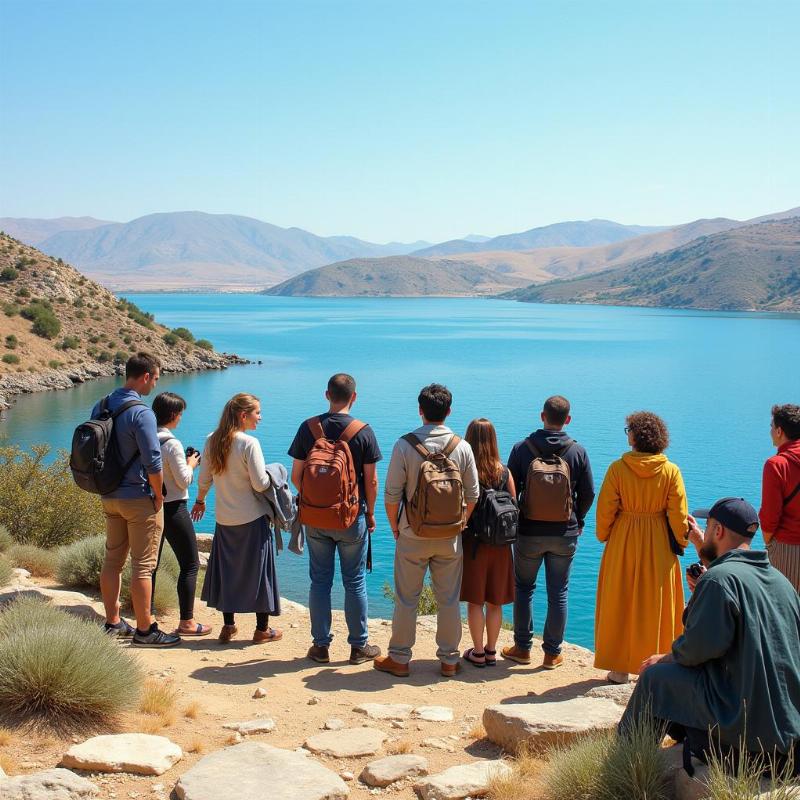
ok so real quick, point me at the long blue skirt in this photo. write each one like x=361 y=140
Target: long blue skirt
x=241 y=575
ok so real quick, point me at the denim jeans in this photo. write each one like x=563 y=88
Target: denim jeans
x=351 y=545
x=557 y=553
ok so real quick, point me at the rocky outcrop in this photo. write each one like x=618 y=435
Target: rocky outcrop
x=465 y=780
x=51 y=784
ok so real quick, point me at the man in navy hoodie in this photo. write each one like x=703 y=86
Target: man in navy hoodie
x=551 y=543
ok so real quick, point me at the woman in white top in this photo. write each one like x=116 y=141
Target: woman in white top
x=178 y=529
x=241 y=575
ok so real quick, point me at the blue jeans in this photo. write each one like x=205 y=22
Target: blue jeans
x=557 y=553
x=351 y=545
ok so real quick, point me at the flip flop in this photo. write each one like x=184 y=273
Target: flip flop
x=200 y=630
x=469 y=656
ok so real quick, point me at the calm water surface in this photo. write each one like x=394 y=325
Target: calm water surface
x=712 y=376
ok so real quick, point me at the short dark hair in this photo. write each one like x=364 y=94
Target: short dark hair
x=556 y=409
x=435 y=401
x=167 y=406
x=341 y=387
x=649 y=431
x=787 y=418
x=141 y=364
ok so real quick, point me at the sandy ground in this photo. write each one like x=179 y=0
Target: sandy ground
x=215 y=684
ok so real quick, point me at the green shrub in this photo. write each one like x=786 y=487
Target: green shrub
x=39 y=562
x=9 y=274
x=171 y=339
x=45 y=322
x=39 y=501
x=426 y=605
x=6 y=539
x=57 y=668
x=204 y=344
x=104 y=357
x=6 y=571
x=94 y=339
x=136 y=314
x=23 y=292
x=78 y=302
x=184 y=333
x=54 y=364
x=11 y=309
x=70 y=343
x=120 y=357
x=11 y=342
x=573 y=770
x=10 y=358
x=749 y=776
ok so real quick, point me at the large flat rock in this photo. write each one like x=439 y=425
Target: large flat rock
x=434 y=713
x=619 y=693
x=547 y=723
x=256 y=771
x=139 y=753
x=347 y=743
x=465 y=780
x=385 y=771
x=52 y=784
x=398 y=711
x=263 y=725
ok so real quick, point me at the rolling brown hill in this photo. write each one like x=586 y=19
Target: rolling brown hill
x=58 y=328
x=398 y=276
x=756 y=267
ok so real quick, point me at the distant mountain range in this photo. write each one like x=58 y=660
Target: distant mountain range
x=395 y=276
x=754 y=267
x=33 y=231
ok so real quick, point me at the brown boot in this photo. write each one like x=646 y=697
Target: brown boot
x=552 y=662
x=388 y=664
x=227 y=632
x=515 y=653
x=450 y=670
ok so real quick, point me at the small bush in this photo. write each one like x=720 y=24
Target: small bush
x=573 y=770
x=6 y=571
x=204 y=344
x=104 y=357
x=158 y=697
x=426 y=605
x=184 y=333
x=10 y=358
x=23 y=292
x=9 y=274
x=39 y=562
x=11 y=309
x=45 y=322
x=70 y=343
x=6 y=539
x=39 y=501
x=120 y=357
x=57 y=668
x=11 y=341
x=53 y=364
x=524 y=780
x=749 y=776
x=171 y=339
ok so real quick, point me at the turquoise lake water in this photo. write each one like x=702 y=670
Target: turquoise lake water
x=712 y=376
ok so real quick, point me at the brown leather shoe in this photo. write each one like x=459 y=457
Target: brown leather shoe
x=517 y=654
x=269 y=635
x=319 y=653
x=552 y=662
x=450 y=670
x=227 y=632
x=388 y=664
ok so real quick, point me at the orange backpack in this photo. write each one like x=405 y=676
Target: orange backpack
x=329 y=486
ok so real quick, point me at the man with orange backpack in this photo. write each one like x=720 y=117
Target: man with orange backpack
x=334 y=470
x=433 y=474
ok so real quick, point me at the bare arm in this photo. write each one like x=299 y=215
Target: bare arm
x=297 y=472
x=370 y=493
x=392 y=514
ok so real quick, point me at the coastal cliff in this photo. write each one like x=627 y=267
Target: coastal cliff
x=59 y=329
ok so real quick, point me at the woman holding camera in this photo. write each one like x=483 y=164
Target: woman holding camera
x=179 y=469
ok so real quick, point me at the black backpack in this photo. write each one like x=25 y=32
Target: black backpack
x=496 y=517
x=94 y=460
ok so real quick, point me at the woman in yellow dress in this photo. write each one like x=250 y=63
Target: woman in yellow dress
x=640 y=586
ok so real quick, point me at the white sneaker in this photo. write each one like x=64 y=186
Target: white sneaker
x=618 y=677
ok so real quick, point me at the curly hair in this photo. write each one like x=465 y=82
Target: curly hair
x=649 y=432
x=787 y=418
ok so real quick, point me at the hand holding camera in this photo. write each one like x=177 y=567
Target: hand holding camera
x=693 y=574
x=192 y=457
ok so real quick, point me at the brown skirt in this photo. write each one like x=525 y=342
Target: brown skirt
x=489 y=577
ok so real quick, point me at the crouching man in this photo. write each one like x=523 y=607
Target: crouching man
x=734 y=674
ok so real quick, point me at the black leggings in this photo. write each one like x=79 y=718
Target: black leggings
x=262 y=619
x=179 y=532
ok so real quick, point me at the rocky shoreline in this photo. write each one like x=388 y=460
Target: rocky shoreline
x=15 y=384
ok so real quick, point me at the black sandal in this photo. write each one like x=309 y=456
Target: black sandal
x=469 y=655
x=491 y=657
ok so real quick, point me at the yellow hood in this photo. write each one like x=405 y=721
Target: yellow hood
x=645 y=465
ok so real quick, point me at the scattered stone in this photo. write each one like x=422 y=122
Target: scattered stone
x=19 y=572
x=385 y=771
x=240 y=772
x=314 y=701
x=333 y=724
x=396 y=723
x=139 y=753
x=438 y=744
x=548 y=723
x=619 y=693
x=465 y=780
x=347 y=743
x=157 y=787
x=265 y=725
x=346 y=775
x=434 y=713
x=396 y=711
x=259 y=693
x=52 y=784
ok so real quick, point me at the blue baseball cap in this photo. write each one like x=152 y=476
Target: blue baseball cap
x=735 y=513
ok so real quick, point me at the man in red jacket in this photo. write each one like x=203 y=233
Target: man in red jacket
x=780 y=494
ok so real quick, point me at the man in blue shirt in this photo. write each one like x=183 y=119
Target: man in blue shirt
x=134 y=513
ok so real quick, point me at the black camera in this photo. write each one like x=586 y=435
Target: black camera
x=190 y=451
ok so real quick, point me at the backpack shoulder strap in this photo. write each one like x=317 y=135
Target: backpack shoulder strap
x=315 y=426
x=451 y=445
x=125 y=407
x=352 y=430
x=792 y=495
x=417 y=445
x=533 y=448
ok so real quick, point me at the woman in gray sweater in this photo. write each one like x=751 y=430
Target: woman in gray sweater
x=241 y=575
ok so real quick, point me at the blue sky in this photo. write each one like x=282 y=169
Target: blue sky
x=400 y=120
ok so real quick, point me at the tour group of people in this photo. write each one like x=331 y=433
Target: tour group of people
x=482 y=529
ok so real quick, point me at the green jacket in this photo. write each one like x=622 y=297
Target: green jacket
x=742 y=634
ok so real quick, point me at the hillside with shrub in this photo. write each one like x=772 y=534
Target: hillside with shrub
x=58 y=328
x=754 y=268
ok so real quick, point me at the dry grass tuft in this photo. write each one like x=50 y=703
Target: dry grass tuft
x=158 y=697
x=400 y=747
x=477 y=731
x=6 y=737
x=39 y=562
x=192 y=711
x=234 y=738
x=525 y=780
x=7 y=764
x=197 y=745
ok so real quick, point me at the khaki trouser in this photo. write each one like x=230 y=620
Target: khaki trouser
x=412 y=559
x=133 y=525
